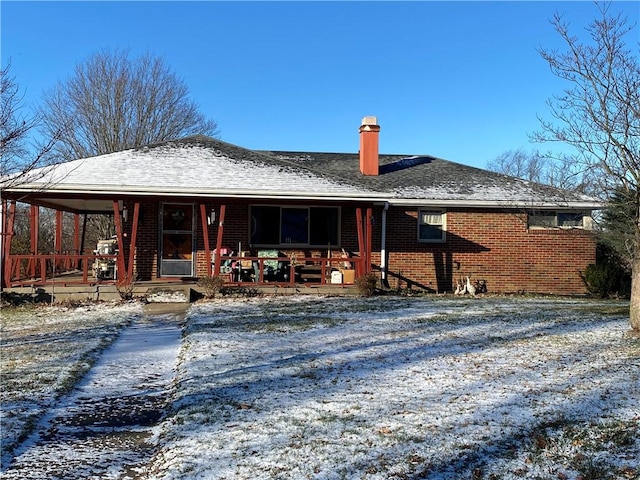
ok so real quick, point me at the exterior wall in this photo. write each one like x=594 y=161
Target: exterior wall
x=496 y=246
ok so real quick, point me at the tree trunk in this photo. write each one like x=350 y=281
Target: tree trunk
x=634 y=306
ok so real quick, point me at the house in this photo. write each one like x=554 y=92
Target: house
x=197 y=206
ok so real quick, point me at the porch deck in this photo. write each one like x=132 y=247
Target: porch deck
x=69 y=287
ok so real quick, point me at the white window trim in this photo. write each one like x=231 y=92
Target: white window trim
x=587 y=221
x=422 y=211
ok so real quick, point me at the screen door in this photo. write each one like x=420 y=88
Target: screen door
x=176 y=235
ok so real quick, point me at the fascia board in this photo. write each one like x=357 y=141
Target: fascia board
x=379 y=198
x=182 y=192
x=580 y=204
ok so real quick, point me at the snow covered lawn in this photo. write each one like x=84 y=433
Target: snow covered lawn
x=399 y=388
x=349 y=388
x=45 y=352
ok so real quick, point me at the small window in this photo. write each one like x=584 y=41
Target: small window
x=431 y=226
x=570 y=219
x=556 y=220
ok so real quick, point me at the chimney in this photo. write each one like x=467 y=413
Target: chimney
x=369 y=131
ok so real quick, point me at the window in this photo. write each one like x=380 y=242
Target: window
x=308 y=226
x=557 y=219
x=431 y=226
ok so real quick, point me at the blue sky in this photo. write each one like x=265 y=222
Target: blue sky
x=457 y=80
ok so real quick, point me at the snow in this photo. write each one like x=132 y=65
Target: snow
x=388 y=387
x=378 y=389
x=173 y=171
x=103 y=425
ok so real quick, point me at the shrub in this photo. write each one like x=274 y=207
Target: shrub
x=211 y=285
x=367 y=283
x=125 y=289
x=607 y=280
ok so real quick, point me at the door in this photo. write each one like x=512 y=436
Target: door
x=177 y=240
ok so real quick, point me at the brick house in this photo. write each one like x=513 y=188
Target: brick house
x=199 y=206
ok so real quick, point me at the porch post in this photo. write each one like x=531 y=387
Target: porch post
x=134 y=238
x=122 y=273
x=57 y=247
x=34 y=221
x=219 y=234
x=361 y=246
x=76 y=239
x=84 y=234
x=205 y=237
x=369 y=242
x=3 y=210
x=6 y=241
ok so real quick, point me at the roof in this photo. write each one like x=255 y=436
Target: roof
x=205 y=167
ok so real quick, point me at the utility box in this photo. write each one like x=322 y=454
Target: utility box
x=348 y=275
x=336 y=277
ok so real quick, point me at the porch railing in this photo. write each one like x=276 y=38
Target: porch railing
x=26 y=270
x=282 y=270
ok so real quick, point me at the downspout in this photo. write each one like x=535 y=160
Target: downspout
x=383 y=246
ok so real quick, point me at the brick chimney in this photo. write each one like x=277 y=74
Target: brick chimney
x=369 y=131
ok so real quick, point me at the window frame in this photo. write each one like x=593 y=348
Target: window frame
x=253 y=224
x=442 y=226
x=555 y=215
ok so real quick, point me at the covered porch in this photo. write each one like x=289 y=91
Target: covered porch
x=177 y=240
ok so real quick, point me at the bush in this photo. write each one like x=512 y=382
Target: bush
x=367 y=283
x=607 y=279
x=211 y=285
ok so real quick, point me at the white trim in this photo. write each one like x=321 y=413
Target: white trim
x=443 y=225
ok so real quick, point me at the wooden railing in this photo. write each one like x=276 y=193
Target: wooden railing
x=25 y=270
x=303 y=270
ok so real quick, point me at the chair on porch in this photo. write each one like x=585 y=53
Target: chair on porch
x=273 y=269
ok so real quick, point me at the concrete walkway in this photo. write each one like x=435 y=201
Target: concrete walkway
x=105 y=428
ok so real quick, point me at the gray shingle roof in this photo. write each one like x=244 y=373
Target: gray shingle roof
x=208 y=167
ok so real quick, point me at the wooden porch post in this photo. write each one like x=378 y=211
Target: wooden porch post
x=76 y=239
x=122 y=272
x=84 y=235
x=34 y=220
x=205 y=237
x=219 y=234
x=6 y=240
x=369 y=241
x=57 y=246
x=361 y=246
x=134 y=238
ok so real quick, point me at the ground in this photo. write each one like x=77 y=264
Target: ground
x=386 y=387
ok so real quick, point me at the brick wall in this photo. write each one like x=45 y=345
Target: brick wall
x=494 y=245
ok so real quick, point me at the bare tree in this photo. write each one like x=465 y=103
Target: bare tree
x=545 y=168
x=18 y=159
x=518 y=163
x=598 y=114
x=113 y=102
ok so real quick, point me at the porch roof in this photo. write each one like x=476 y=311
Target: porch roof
x=205 y=167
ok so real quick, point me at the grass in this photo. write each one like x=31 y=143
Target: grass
x=45 y=352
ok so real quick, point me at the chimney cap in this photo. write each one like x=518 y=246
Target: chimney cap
x=370 y=120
